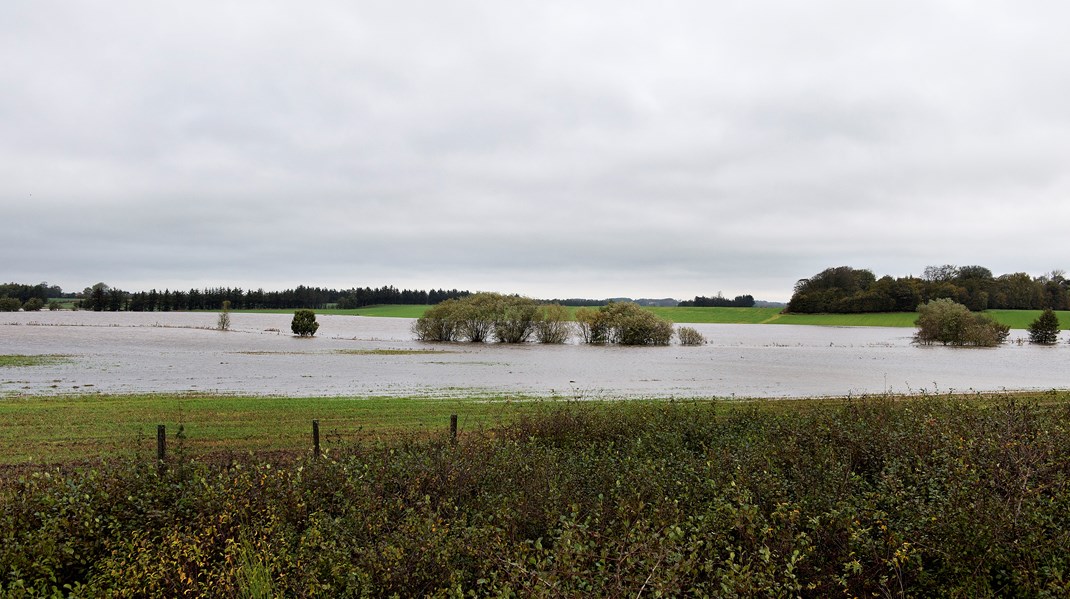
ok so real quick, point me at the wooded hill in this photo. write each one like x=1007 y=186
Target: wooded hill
x=847 y=290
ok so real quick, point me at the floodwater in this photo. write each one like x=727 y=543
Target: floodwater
x=130 y=352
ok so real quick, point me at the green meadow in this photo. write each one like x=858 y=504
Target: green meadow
x=45 y=429
x=388 y=311
x=1017 y=319
x=53 y=429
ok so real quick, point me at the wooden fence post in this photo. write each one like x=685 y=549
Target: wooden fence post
x=316 y=438
x=453 y=428
x=161 y=447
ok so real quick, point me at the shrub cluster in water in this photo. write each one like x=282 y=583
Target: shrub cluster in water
x=951 y=323
x=513 y=319
x=879 y=497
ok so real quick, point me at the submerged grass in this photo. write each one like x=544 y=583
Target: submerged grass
x=882 y=496
x=18 y=360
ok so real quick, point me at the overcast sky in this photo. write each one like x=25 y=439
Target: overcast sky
x=553 y=149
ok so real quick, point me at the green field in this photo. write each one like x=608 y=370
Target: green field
x=1017 y=319
x=60 y=428
x=49 y=429
x=887 y=319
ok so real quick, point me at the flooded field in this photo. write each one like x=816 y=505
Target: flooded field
x=363 y=356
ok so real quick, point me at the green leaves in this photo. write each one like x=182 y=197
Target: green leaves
x=304 y=323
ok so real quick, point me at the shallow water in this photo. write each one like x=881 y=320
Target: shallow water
x=129 y=352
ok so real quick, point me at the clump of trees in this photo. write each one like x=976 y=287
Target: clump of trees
x=949 y=323
x=1045 y=329
x=513 y=319
x=624 y=324
x=843 y=289
x=304 y=323
x=24 y=293
x=492 y=316
x=9 y=304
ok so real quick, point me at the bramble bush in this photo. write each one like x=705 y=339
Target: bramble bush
x=881 y=496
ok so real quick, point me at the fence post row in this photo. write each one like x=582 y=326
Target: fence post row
x=161 y=440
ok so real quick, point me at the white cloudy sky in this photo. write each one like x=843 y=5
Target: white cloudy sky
x=555 y=149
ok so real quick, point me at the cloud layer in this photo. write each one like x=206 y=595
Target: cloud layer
x=545 y=148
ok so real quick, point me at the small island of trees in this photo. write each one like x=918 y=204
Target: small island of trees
x=514 y=319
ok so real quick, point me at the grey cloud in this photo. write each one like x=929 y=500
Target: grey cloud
x=540 y=147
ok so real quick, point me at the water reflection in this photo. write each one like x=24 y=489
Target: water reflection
x=169 y=352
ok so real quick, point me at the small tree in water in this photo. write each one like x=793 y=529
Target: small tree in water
x=1045 y=329
x=223 y=324
x=304 y=323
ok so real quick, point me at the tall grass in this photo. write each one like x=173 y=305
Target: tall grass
x=872 y=497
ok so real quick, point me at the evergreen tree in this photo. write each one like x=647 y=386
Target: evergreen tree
x=304 y=323
x=1045 y=329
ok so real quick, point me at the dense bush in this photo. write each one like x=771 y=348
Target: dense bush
x=34 y=304
x=690 y=336
x=624 y=323
x=552 y=325
x=439 y=323
x=304 y=323
x=9 y=304
x=950 y=323
x=483 y=316
x=877 y=497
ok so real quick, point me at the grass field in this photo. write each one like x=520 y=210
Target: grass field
x=1017 y=319
x=48 y=429
x=389 y=311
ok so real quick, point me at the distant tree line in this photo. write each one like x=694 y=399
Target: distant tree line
x=367 y=296
x=101 y=297
x=719 y=301
x=23 y=293
x=667 y=302
x=843 y=289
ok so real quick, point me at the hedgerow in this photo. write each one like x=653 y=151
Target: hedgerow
x=880 y=496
